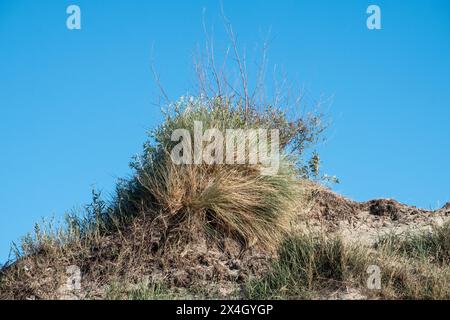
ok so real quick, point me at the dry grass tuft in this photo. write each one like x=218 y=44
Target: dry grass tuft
x=224 y=201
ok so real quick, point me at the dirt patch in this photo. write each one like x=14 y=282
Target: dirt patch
x=341 y=294
x=391 y=209
x=331 y=207
x=365 y=222
x=143 y=252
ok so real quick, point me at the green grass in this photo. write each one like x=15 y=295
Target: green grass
x=162 y=291
x=433 y=246
x=307 y=264
x=311 y=265
x=153 y=291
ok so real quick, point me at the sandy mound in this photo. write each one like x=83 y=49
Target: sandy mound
x=141 y=253
x=147 y=251
x=364 y=222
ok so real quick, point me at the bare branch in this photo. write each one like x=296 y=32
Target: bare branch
x=239 y=61
x=157 y=80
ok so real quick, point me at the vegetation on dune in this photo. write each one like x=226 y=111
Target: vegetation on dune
x=314 y=265
x=181 y=203
x=226 y=199
x=213 y=220
x=433 y=245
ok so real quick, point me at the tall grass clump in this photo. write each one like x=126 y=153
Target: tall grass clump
x=224 y=200
x=164 y=204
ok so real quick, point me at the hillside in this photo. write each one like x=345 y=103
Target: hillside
x=135 y=264
x=234 y=228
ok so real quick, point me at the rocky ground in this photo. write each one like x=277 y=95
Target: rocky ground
x=365 y=222
x=216 y=270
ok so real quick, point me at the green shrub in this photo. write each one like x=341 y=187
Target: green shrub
x=229 y=200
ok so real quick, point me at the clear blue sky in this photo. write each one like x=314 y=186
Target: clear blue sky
x=75 y=105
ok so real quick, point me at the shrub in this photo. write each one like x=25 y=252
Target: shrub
x=222 y=199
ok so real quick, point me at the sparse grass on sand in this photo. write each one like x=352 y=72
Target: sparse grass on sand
x=430 y=246
x=313 y=265
x=197 y=223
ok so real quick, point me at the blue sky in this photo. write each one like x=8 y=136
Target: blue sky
x=75 y=105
